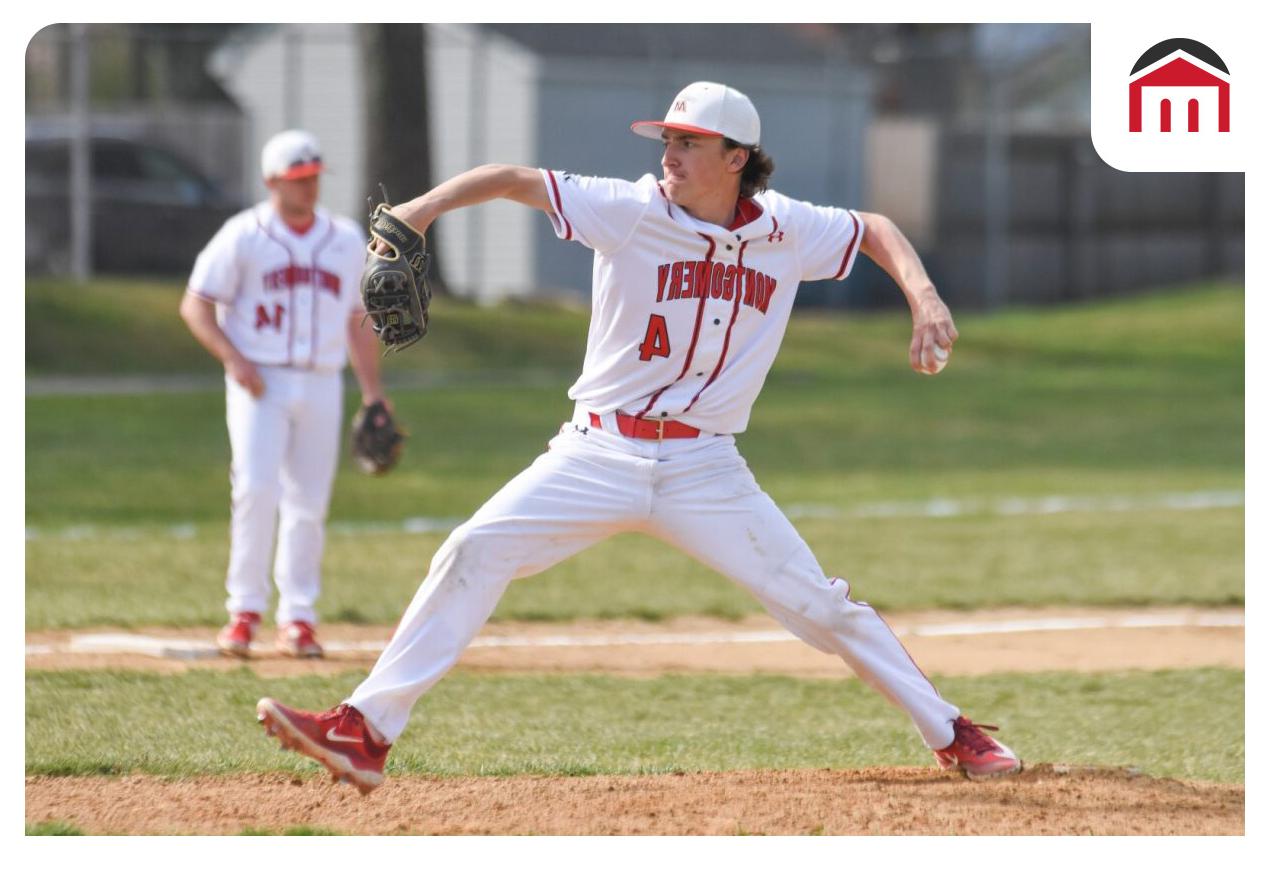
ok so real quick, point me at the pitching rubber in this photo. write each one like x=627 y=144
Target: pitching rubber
x=290 y=737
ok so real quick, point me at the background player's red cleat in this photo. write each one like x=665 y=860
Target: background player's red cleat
x=235 y=638
x=976 y=754
x=338 y=739
x=298 y=639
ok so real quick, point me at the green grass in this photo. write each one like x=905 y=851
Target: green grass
x=131 y=326
x=294 y=831
x=1153 y=557
x=202 y=722
x=1115 y=398
x=52 y=829
x=1136 y=398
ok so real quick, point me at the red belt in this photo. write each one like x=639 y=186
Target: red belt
x=649 y=428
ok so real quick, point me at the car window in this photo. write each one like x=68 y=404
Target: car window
x=160 y=167
x=121 y=168
x=50 y=160
x=116 y=161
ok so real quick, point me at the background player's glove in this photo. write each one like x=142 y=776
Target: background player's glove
x=395 y=289
x=377 y=441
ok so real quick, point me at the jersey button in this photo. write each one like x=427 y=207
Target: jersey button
x=716 y=321
x=663 y=415
x=729 y=248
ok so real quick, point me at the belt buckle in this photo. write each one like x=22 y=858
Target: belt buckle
x=661 y=429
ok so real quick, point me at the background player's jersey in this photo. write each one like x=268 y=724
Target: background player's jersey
x=686 y=316
x=284 y=298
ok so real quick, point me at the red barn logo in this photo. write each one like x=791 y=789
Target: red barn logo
x=1179 y=85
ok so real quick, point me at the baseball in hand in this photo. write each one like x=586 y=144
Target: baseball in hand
x=941 y=358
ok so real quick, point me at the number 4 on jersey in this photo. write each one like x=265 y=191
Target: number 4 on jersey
x=656 y=339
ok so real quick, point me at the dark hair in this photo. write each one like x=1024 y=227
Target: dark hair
x=758 y=169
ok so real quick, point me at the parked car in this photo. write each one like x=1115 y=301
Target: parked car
x=151 y=210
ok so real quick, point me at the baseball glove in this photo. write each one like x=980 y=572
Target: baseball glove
x=395 y=289
x=377 y=441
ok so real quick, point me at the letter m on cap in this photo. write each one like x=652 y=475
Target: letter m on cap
x=680 y=106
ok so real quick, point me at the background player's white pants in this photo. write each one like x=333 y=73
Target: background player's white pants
x=698 y=495
x=285 y=445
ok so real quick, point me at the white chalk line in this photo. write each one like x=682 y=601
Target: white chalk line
x=187 y=649
x=936 y=508
x=1046 y=505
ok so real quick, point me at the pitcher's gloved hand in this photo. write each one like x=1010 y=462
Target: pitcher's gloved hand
x=395 y=289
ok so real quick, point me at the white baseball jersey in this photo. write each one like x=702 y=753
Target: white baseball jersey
x=284 y=298
x=687 y=316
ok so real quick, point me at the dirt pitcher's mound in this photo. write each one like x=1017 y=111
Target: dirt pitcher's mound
x=1045 y=799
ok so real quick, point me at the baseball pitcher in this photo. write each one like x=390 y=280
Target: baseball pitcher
x=694 y=280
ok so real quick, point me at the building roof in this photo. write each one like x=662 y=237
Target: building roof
x=786 y=44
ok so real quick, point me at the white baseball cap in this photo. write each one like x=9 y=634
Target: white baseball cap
x=710 y=109
x=292 y=154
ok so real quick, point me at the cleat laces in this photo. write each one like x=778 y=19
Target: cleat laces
x=972 y=735
x=350 y=722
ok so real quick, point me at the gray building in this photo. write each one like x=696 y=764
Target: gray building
x=974 y=138
x=561 y=96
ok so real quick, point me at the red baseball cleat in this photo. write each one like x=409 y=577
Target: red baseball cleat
x=235 y=638
x=338 y=739
x=297 y=639
x=976 y=754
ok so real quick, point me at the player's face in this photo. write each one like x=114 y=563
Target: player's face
x=694 y=166
x=296 y=197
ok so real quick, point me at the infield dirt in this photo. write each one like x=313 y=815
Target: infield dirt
x=1045 y=799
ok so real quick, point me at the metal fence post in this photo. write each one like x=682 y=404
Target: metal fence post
x=81 y=200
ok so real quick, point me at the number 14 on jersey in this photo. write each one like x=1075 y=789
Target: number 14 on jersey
x=265 y=319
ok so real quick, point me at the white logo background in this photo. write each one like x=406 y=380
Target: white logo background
x=1116 y=46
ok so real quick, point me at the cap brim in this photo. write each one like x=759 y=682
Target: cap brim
x=653 y=129
x=301 y=171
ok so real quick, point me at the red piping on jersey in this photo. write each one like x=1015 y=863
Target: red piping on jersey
x=727 y=336
x=315 y=298
x=846 y=258
x=568 y=228
x=662 y=192
x=203 y=295
x=747 y=210
x=290 y=292
x=696 y=332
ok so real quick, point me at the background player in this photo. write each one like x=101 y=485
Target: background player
x=275 y=297
x=693 y=284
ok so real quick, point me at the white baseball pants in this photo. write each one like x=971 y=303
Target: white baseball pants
x=696 y=494
x=284 y=446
